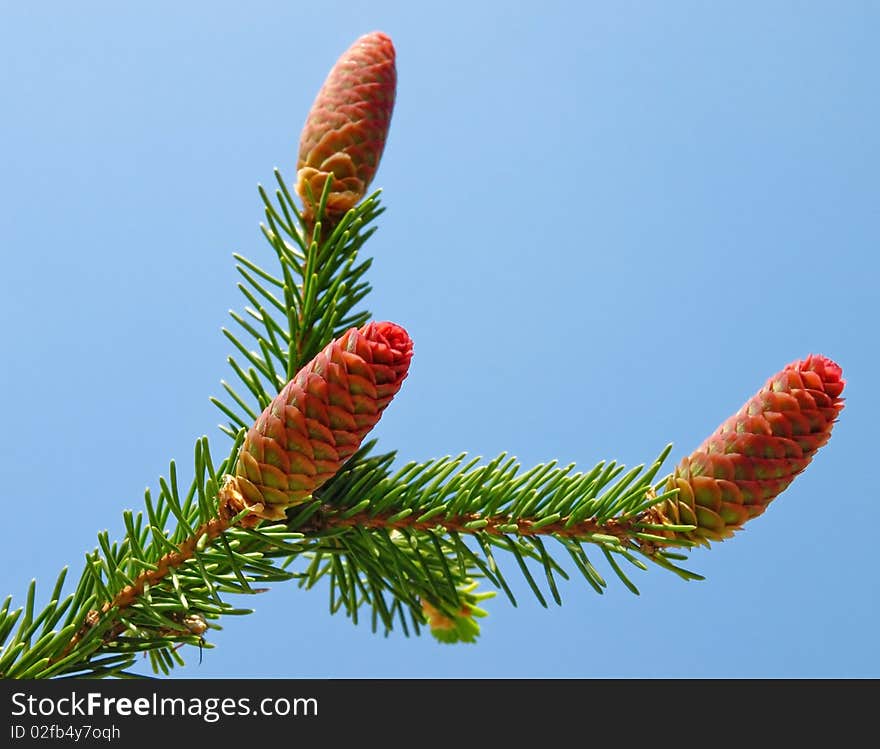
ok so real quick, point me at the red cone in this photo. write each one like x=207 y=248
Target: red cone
x=319 y=419
x=754 y=455
x=345 y=132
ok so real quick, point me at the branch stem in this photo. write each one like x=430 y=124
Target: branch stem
x=623 y=529
x=129 y=594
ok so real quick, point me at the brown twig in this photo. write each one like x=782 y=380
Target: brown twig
x=127 y=596
x=230 y=507
x=623 y=529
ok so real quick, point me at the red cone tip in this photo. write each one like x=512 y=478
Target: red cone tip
x=830 y=374
x=392 y=335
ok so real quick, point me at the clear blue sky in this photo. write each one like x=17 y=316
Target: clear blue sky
x=607 y=225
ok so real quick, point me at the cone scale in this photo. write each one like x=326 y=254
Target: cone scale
x=756 y=453
x=345 y=132
x=318 y=420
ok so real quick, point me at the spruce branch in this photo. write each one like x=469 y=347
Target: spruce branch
x=300 y=496
x=410 y=544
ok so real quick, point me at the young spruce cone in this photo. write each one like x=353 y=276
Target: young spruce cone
x=754 y=455
x=318 y=420
x=345 y=132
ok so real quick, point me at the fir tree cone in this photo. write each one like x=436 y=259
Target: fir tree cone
x=318 y=420
x=345 y=131
x=754 y=455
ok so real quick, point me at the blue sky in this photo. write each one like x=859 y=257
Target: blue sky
x=607 y=225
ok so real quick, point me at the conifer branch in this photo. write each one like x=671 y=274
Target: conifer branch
x=296 y=500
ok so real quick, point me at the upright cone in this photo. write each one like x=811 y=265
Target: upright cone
x=318 y=420
x=754 y=455
x=344 y=134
